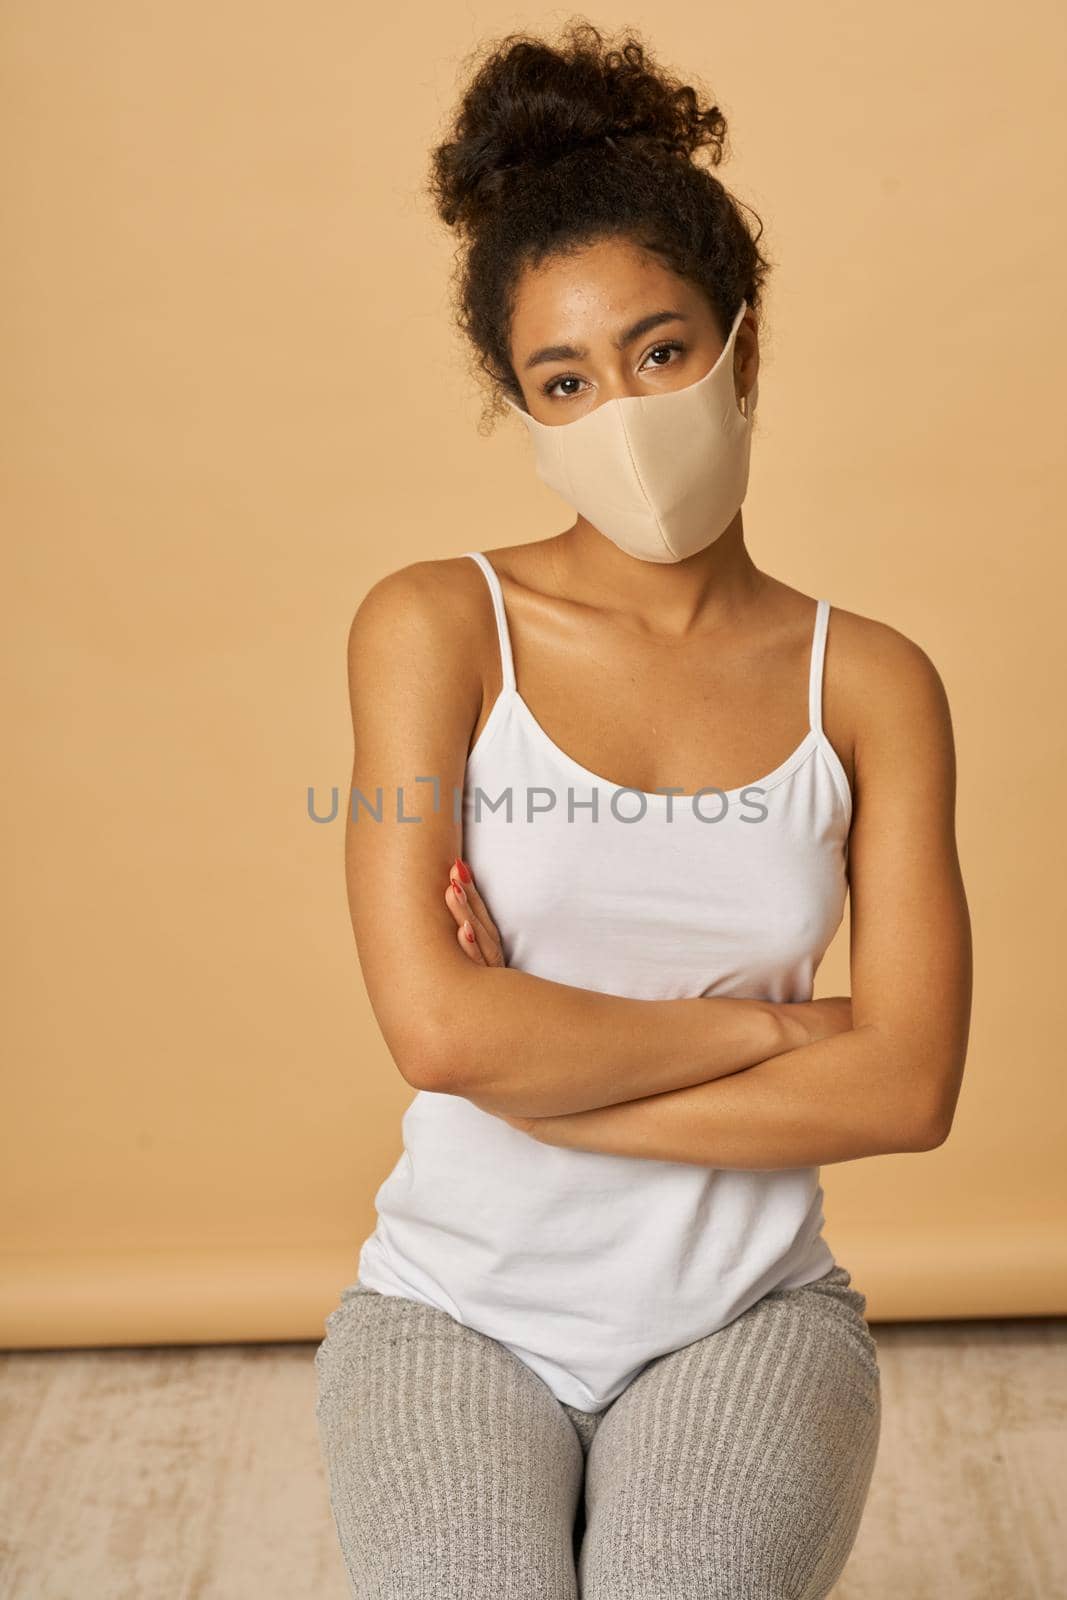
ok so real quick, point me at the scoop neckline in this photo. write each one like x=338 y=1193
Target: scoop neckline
x=770 y=780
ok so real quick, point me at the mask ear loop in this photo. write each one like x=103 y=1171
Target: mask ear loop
x=750 y=400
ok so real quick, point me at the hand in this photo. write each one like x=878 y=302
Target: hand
x=477 y=933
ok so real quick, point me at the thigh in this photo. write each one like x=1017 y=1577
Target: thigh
x=452 y=1468
x=737 y=1468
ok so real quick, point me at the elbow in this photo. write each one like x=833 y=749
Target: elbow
x=435 y=1031
x=934 y=1080
x=439 y=1035
x=428 y=1055
x=930 y=1135
x=931 y=1126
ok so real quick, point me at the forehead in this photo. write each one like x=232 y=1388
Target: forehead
x=597 y=287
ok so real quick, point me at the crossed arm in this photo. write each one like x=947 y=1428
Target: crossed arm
x=719 y=1082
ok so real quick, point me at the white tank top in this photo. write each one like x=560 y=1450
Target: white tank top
x=588 y=1266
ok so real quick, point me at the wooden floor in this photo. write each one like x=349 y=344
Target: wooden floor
x=194 y=1473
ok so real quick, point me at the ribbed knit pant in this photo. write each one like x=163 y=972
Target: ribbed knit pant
x=734 y=1468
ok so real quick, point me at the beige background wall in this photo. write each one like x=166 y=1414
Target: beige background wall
x=233 y=399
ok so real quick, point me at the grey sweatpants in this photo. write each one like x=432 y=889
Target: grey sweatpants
x=734 y=1468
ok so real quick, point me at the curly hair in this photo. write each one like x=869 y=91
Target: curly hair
x=555 y=146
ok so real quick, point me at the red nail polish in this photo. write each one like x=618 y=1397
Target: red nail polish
x=464 y=871
x=457 y=889
x=468 y=932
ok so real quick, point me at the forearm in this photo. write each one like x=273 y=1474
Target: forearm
x=838 y=1099
x=532 y=1047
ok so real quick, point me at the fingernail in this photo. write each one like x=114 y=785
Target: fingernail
x=457 y=889
x=468 y=932
x=464 y=871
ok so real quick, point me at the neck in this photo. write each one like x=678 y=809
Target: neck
x=703 y=592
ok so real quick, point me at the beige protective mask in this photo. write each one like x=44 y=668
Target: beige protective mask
x=661 y=475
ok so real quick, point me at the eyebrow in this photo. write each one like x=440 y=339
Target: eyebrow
x=573 y=352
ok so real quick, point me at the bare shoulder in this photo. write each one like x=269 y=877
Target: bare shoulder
x=874 y=660
x=886 y=688
x=424 y=595
x=431 y=618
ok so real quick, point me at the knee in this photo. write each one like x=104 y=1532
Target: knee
x=790 y=1541
x=746 y=1568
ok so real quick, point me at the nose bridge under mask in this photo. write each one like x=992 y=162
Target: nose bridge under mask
x=672 y=439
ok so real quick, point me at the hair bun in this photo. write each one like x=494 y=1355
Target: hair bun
x=531 y=104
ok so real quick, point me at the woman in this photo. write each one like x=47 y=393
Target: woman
x=597 y=1337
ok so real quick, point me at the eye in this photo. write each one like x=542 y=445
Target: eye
x=668 y=344
x=548 y=388
x=664 y=346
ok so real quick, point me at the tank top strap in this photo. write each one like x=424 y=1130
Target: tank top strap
x=507 y=665
x=818 y=652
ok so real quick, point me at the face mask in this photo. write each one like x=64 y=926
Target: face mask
x=661 y=475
